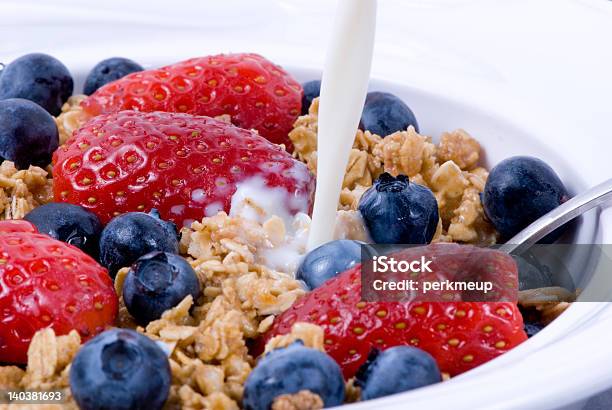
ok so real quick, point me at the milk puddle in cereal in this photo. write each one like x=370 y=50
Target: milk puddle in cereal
x=287 y=233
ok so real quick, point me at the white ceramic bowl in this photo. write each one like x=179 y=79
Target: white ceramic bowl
x=458 y=63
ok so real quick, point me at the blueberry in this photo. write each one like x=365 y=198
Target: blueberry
x=289 y=370
x=397 y=211
x=327 y=261
x=28 y=134
x=312 y=89
x=384 y=114
x=37 y=77
x=156 y=282
x=532 y=328
x=532 y=274
x=542 y=266
x=120 y=369
x=395 y=370
x=129 y=236
x=107 y=71
x=68 y=223
x=518 y=191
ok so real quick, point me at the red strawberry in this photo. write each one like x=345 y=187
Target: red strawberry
x=183 y=165
x=255 y=92
x=459 y=335
x=48 y=283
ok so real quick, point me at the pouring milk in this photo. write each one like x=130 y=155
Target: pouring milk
x=343 y=90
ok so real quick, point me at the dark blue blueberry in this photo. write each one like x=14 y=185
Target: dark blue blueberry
x=397 y=211
x=68 y=223
x=37 y=77
x=289 y=370
x=312 y=89
x=28 y=134
x=157 y=282
x=518 y=191
x=532 y=274
x=542 y=266
x=532 y=328
x=107 y=71
x=327 y=261
x=120 y=369
x=395 y=370
x=384 y=114
x=129 y=236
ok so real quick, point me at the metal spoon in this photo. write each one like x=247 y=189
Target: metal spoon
x=576 y=206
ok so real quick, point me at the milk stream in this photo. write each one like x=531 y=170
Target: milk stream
x=343 y=91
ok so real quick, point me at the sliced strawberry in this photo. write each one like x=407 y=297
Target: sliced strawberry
x=48 y=283
x=185 y=166
x=459 y=335
x=255 y=92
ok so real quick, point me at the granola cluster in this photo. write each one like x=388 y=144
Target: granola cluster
x=71 y=118
x=450 y=169
x=302 y=400
x=23 y=190
x=311 y=335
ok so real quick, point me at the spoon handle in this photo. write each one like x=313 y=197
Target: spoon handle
x=562 y=214
x=344 y=85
